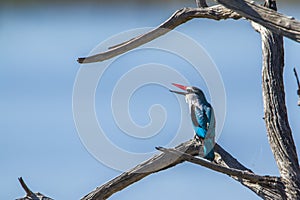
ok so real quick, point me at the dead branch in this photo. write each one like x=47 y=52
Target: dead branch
x=271 y=185
x=181 y=16
x=278 y=23
x=276 y=120
x=246 y=175
x=166 y=160
x=154 y=164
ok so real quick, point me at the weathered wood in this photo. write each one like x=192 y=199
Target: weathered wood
x=181 y=16
x=278 y=23
x=267 y=187
x=242 y=174
x=154 y=164
x=275 y=112
x=267 y=193
x=226 y=162
x=274 y=21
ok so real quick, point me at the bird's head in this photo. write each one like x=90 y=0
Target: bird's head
x=191 y=93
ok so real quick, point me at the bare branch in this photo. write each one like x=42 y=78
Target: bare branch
x=246 y=175
x=164 y=161
x=276 y=120
x=25 y=187
x=276 y=22
x=156 y=163
x=181 y=16
x=267 y=187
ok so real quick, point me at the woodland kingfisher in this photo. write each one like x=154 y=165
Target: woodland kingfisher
x=202 y=116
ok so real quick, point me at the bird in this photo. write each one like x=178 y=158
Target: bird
x=202 y=116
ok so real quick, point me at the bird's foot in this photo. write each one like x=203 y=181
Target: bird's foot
x=198 y=139
x=218 y=159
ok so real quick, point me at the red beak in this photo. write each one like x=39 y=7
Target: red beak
x=180 y=86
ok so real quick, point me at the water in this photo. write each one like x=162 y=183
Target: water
x=39 y=48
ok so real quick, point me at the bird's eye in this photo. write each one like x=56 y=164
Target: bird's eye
x=189 y=90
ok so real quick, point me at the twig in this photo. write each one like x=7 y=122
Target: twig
x=298 y=83
x=296 y=74
x=25 y=187
x=31 y=195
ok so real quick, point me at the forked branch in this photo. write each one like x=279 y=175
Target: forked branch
x=225 y=164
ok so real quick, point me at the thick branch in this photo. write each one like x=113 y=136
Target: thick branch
x=164 y=161
x=154 y=164
x=278 y=129
x=276 y=22
x=181 y=16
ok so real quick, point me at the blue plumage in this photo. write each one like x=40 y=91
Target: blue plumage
x=203 y=129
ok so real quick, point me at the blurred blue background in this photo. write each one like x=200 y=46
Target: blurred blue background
x=40 y=43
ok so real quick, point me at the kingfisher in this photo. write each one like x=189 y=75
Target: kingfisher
x=203 y=119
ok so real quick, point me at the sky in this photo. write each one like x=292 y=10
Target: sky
x=46 y=135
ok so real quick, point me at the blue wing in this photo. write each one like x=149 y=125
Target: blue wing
x=201 y=119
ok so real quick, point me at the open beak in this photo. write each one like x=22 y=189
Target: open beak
x=181 y=87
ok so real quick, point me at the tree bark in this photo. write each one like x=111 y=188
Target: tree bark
x=275 y=112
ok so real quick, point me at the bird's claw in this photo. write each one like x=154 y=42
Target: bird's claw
x=198 y=139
